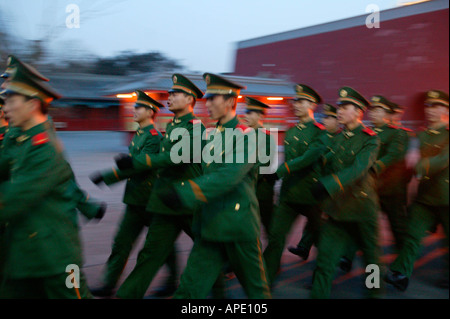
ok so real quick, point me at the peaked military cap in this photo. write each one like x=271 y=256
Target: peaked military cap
x=384 y=103
x=397 y=108
x=21 y=81
x=13 y=62
x=254 y=105
x=436 y=97
x=216 y=84
x=350 y=95
x=143 y=100
x=183 y=84
x=305 y=92
x=329 y=110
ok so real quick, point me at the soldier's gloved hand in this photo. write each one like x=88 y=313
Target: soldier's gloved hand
x=319 y=191
x=101 y=211
x=96 y=178
x=124 y=161
x=170 y=197
x=282 y=171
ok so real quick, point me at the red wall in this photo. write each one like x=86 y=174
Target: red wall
x=401 y=60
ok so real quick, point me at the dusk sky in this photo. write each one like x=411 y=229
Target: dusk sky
x=199 y=34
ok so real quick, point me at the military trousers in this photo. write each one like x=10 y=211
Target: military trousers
x=308 y=237
x=335 y=237
x=396 y=211
x=52 y=287
x=159 y=244
x=266 y=213
x=421 y=219
x=282 y=221
x=133 y=222
x=207 y=259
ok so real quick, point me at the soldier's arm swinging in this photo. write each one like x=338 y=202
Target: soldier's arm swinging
x=212 y=185
x=430 y=166
x=395 y=153
x=26 y=189
x=115 y=175
x=316 y=149
x=335 y=183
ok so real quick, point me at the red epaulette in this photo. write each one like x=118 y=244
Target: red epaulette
x=2 y=136
x=40 y=139
x=265 y=131
x=154 y=132
x=244 y=128
x=369 y=131
x=393 y=126
x=319 y=126
x=195 y=121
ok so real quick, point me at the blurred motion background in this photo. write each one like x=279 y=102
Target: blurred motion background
x=96 y=53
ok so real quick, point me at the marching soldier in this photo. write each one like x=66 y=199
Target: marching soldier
x=42 y=231
x=228 y=225
x=88 y=206
x=3 y=128
x=254 y=116
x=389 y=171
x=3 y=123
x=298 y=177
x=331 y=124
x=348 y=193
x=432 y=200
x=146 y=141
x=185 y=130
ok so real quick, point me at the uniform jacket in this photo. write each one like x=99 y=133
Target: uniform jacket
x=226 y=191
x=432 y=169
x=181 y=134
x=139 y=185
x=34 y=202
x=346 y=175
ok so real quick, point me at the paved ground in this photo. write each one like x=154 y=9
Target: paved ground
x=90 y=151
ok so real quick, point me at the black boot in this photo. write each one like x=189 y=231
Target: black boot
x=397 y=279
x=166 y=291
x=303 y=253
x=104 y=291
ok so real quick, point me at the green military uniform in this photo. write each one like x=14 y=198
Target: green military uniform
x=266 y=181
x=42 y=230
x=3 y=130
x=2 y=134
x=352 y=204
x=389 y=171
x=228 y=225
x=301 y=152
x=87 y=205
x=432 y=200
x=307 y=240
x=138 y=189
x=167 y=223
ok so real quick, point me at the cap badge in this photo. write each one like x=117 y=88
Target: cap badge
x=433 y=94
